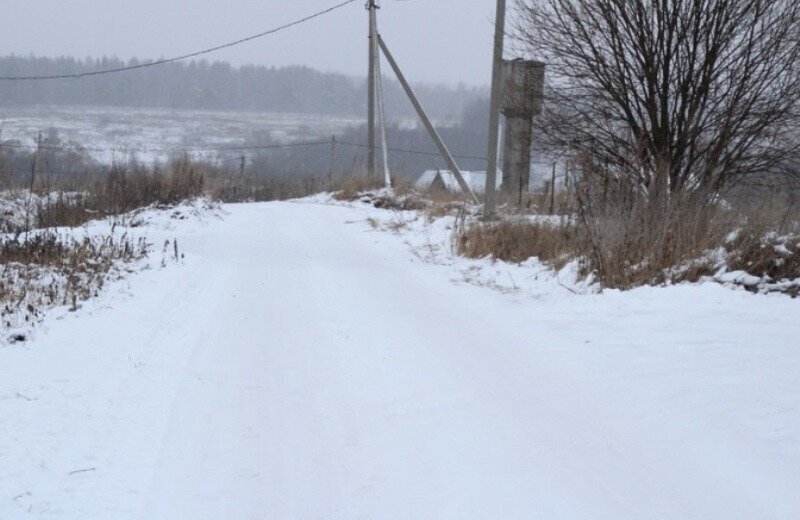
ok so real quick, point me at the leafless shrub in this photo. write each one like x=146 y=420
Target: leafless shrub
x=633 y=238
x=768 y=244
x=623 y=238
x=673 y=95
x=128 y=187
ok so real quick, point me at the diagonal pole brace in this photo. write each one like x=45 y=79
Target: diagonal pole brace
x=437 y=139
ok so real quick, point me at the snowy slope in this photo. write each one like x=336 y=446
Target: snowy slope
x=114 y=133
x=300 y=363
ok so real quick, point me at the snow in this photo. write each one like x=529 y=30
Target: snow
x=308 y=360
x=156 y=134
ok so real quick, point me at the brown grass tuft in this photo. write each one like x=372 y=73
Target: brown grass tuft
x=352 y=187
x=517 y=241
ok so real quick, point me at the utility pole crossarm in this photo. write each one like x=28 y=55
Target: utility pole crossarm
x=437 y=139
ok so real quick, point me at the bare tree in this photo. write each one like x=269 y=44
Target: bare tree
x=672 y=94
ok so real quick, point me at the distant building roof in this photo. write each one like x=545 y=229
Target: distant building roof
x=445 y=180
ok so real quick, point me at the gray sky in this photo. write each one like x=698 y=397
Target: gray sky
x=434 y=40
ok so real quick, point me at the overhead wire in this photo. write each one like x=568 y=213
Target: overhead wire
x=182 y=57
x=416 y=152
x=203 y=148
x=195 y=54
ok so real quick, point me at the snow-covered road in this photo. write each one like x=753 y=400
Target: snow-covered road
x=302 y=365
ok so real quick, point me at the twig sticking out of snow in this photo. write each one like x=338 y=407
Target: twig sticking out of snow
x=81 y=471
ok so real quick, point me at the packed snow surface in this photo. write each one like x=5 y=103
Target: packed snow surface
x=309 y=360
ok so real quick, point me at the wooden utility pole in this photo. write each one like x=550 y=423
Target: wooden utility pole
x=241 y=165
x=373 y=55
x=494 y=109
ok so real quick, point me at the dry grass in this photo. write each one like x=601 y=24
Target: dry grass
x=127 y=187
x=433 y=203
x=403 y=197
x=44 y=269
x=123 y=189
x=353 y=187
x=767 y=251
x=517 y=241
x=224 y=187
x=626 y=240
x=632 y=241
x=636 y=239
x=64 y=211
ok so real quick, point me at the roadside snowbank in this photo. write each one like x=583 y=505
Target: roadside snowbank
x=59 y=269
x=431 y=237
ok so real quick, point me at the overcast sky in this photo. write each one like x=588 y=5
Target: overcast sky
x=434 y=40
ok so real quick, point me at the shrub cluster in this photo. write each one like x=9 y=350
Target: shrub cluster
x=628 y=240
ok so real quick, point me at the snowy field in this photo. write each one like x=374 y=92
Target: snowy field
x=151 y=134
x=316 y=360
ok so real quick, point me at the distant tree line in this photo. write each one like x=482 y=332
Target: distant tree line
x=204 y=85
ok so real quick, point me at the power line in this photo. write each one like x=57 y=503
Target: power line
x=415 y=152
x=195 y=54
x=233 y=148
x=198 y=148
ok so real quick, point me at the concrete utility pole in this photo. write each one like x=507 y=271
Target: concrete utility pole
x=373 y=55
x=437 y=139
x=494 y=109
x=387 y=177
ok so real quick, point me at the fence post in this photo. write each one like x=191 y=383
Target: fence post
x=333 y=160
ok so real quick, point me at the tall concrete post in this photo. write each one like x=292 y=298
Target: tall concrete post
x=494 y=109
x=373 y=56
x=523 y=89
